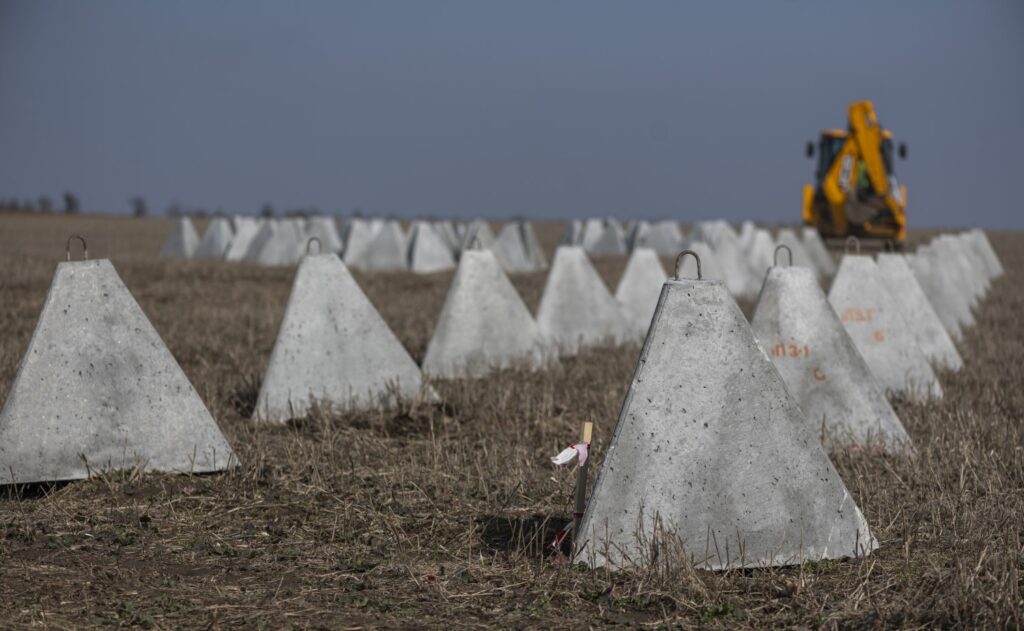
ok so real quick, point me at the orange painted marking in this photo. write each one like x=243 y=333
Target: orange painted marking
x=818 y=375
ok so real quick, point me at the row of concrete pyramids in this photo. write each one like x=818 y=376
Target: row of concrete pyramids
x=717 y=441
x=749 y=474
x=364 y=244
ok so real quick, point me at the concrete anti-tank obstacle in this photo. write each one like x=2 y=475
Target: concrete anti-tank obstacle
x=984 y=246
x=939 y=292
x=182 y=241
x=533 y=247
x=357 y=235
x=815 y=247
x=573 y=233
x=606 y=238
x=874 y=321
x=978 y=265
x=820 y=364
x=949 y=268
x=746 y=234
x=324 y=230
x=478 y=232
x=733 y=268
x=484 y=324
x=710 y=448
x=918 y=313
x=428 y=253
x=333 y=347
x=274 y=245
x=970 y=278
x=216 y=240
x=663 y=237
x=639 y=289
x=386 y=250
x=576 y=308
x=98 y=391
x=760 y=252
x=246 y=230
x=511 y=250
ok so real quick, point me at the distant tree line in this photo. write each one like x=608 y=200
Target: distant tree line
x=138 y=206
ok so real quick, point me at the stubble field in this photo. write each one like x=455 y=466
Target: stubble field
x=438 y=515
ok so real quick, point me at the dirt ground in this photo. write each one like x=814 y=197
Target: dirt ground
x=437 y=516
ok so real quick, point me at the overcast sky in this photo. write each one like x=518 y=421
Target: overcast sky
x=543 y=109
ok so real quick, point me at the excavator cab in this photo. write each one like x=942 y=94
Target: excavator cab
x=856 y=192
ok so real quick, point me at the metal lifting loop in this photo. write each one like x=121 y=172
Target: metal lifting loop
x=679 y=263
x=85 y=248
x=775 y=259
x=319 y=246
x=855 y=241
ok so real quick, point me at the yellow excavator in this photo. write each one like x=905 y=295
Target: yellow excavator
x=856 y=192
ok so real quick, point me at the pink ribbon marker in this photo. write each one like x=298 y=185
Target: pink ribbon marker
x=565 y=456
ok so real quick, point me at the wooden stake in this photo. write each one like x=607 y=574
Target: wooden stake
x=581 y=484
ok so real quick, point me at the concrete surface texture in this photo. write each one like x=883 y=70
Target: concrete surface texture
x=820 y=364
x=664 y=237
x=98 y=391
x=733 y=268
x=333 y=347
x=245 y=232
x=938 y=292
x=604 y=238
x=326 y=231
x=477 y=233
x=923 y=322
x=760 y=253
x=281 y=246
x=356 y=237
x=981 y=242
x=215 y=241
x=182 y=241
x=484 y=324
x=576 y=308
x=533 y=247
x=711 y=447
x=448 y=233
x=511 y=250
x=428 y=252
x=969 y=270
x=385 y=251
x=573 y=233
x=946 y=271
x=874 y=321
x=639 y=289
x=815 y=247
x=746 y=234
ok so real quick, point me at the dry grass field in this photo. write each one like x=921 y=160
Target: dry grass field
x=434 y=516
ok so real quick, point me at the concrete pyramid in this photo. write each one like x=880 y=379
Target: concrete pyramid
x=357 y=235
x=939 y=293
x=385 y=251
x=447 y=231
x=966 y=275
x=917 y=312
x=484 y=324
x=428 y=253
x=820 y=363
x=511 y=250
x=182 y=241
x=326 y=231
x=244 y=234
x=477 y=232
x=984 y=246
x=274 y=245
x=760 y=252
x=98 y=391
x=573 y=233
x=663 y=237
x=576 y=308
x=710 y=448
x=815 y=247
x=713 y=231
x=801 y=258
x=604 y=238
x=639 y=289
x=215 y=241
x=533 y=247
x=946 y=270
x=734 y=269
x=874 y=321
x=746 y=234
x=333 y=347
